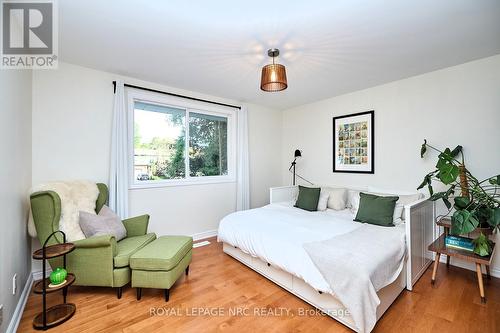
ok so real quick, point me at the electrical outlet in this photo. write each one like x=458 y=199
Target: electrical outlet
x=14 y=284
x=1 y=314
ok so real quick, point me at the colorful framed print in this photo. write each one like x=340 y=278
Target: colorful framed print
x=354 y=142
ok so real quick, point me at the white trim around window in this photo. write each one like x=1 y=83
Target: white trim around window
x=136 y=95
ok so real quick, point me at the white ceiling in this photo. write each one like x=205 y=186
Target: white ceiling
x=328 y=47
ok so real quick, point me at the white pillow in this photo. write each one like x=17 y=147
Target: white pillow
x=337 y=197
x=323 y=200
x=398 y=221
x=405 y=199
x=398 y=212
x=353 y=201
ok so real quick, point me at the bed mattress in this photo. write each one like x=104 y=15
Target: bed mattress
x=276 y=233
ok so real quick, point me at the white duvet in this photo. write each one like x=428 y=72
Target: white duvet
x=276 y=233
x=358 y=264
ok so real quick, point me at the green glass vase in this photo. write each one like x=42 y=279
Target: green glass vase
x=58 y=276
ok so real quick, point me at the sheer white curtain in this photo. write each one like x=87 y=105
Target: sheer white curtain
x=118 y=171
x=243 y=185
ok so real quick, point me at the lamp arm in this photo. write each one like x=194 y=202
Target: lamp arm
x=297 y=175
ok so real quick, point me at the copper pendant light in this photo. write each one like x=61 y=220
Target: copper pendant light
x=273 y=75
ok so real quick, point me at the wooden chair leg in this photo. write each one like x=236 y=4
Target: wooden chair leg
x=480 y=281
x=435 y=268
x=119 y=292
x=187 y=270
x=167 y=295
x=447 y=261
x=488 y=274
x=139 y=293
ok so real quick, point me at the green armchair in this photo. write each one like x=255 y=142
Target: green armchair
x=99 y=260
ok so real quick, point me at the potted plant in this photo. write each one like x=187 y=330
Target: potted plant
x=478 y=205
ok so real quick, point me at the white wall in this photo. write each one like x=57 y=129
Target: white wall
x=456 y=105
x=72 y=109
x=15 y=180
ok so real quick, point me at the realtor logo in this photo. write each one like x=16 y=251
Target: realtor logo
x=29 y=34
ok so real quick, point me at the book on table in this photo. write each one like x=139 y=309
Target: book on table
x=458 y=242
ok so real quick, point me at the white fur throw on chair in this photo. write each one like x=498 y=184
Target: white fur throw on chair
x=76 y=196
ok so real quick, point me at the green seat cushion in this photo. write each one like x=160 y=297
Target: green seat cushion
x=129 y=246
x=376 y=210
x=160 y=279
x=163 y=254
x=308 y=198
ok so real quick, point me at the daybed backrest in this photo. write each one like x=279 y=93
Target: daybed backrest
x=405 y=198
x=352 y=196
x=289 y=193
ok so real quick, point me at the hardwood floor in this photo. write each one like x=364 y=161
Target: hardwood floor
x=219 y=283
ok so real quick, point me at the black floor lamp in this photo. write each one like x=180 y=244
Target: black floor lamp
x=295 y=155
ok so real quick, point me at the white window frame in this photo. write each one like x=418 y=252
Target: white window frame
x=136 y=95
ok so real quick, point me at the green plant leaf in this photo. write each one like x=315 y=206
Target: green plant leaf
x=461 y=202
x=463 y=222
x=423 y=149
x=494 y=220
x=495 y=180
x=447 y=203
x=482 y=245
x=437 y=196
x=446 y=155
x=424 y=182
x=431 y=190
x=427 y=180
x=456 y=151
x=440 y=163
x=451 y=190
x=448 y=173
x=443 y=196
x=483 y=213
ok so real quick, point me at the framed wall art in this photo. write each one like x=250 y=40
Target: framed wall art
x=354 y=143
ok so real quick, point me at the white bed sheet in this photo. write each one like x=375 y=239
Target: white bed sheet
x=276 y=233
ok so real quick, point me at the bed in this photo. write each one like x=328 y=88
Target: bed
x=270 y=240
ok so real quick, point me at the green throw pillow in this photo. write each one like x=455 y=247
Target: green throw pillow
x=308 y=198
x=376 y=210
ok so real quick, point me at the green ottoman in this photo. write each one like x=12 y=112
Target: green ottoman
x=160 y=263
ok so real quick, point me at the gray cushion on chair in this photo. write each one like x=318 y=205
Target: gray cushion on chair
x=106 y=223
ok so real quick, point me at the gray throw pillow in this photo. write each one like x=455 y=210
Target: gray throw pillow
x=106 y=223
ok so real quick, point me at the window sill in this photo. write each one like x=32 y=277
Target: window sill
x=183 y=182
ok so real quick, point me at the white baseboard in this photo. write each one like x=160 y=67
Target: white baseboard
x=38 y=274
x=468 y=265
x=205 y=234
x=18 y=312
x=200 y=244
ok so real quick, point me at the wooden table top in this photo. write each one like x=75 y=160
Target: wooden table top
x=54 y=251
x=439 y=246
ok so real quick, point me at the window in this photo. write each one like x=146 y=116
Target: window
x=178 y=142
x=207 y=145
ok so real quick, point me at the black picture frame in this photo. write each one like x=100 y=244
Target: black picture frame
x=371 y=170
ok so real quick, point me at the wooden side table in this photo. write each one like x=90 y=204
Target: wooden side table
x=439 y=247
x=56 y=314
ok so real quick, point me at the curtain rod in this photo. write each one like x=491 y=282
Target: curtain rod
x=176 y=95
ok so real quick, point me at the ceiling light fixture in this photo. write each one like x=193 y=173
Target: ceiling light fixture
x=273 y=75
